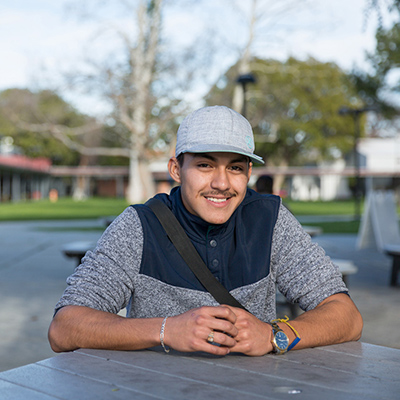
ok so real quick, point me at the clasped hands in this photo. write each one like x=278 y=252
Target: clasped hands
x=233 y=329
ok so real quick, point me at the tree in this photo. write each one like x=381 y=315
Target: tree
x=43 y=107
x=134 y=86
x=377 y=6
x=145 y=84
x=260 y=22
x=145 y=80
x=132 y=95
x=379 y=87
x=293 y=109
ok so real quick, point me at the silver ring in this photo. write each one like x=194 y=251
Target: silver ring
x=210 y=338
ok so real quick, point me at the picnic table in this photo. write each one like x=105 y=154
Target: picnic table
x=347 y=371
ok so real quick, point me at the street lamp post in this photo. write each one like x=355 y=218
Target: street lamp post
x=356 y=113
x=244 y=80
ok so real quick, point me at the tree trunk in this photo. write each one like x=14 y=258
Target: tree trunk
x=141 y=183
x=147 y=179
x=135 y=192
x=279 y=179
x=81 y=189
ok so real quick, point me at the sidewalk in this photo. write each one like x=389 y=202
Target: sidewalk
x=378 y=302
x=33 y=272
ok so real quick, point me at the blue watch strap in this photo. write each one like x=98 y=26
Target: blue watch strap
x=295 y=341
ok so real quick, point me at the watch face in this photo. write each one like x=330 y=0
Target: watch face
x=281 y=340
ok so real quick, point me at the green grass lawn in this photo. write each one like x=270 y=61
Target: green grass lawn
x=339 y=208
x=322 y=207
x=64 y=208
x=67 y=208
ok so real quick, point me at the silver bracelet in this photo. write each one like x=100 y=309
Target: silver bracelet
x=162 y=335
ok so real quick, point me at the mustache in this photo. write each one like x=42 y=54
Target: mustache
x=218 y=193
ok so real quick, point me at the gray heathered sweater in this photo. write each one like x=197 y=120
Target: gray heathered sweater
x=109 y=278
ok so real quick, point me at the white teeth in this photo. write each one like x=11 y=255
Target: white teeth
x=216 y=200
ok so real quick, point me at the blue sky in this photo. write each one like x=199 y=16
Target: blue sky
x=38 y=38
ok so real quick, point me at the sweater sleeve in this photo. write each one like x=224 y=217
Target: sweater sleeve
x=304 y=274
x=105 y=279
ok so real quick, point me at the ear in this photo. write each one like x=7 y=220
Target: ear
x=174 y=169
x=249 y=171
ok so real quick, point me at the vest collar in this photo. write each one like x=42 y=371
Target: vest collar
x=196 y=227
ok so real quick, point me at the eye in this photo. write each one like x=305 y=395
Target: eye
x=237 y=168
x=203 y=165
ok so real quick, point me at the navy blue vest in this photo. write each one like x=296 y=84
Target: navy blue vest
x=237 y=252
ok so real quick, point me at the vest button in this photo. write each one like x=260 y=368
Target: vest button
x=215 y=263
x=213 y=243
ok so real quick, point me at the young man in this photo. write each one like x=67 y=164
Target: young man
x=250 y=242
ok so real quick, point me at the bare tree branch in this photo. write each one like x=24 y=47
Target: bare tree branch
x=62 y=132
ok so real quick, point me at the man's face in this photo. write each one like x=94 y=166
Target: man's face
x=212 y=184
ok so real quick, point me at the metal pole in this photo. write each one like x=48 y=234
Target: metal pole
x=244 y=99
x=244 y=80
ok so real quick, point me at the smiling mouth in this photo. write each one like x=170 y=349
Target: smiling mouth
x=219 y=198
x=216 y=200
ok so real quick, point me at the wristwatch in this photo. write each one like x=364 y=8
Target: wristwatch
x=280 y=341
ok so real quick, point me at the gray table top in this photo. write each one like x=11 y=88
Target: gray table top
x=347 y=371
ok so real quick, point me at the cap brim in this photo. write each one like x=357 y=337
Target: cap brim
x=223 y=149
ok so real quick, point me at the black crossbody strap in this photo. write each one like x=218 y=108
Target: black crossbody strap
x=180 y=240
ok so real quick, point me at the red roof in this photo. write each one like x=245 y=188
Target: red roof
x=17 y=161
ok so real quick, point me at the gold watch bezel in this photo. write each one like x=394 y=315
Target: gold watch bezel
x=278 y=331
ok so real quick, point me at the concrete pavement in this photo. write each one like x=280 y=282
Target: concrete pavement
x=33 y=272
x=378 y=303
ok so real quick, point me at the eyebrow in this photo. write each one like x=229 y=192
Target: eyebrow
x=208 y=156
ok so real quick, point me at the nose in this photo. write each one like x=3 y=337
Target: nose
x=220 y=180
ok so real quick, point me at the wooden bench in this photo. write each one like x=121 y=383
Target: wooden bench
x=393 y=250
x=77 y=249
x=346 y=268
x=312 y=230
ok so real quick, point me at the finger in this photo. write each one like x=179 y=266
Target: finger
x=216 y=350
x=213 y=348
x=224 y=326
x=250 y=349
x=223 y=339
x=239 y=347
x=217 y=318
x=222 y=312
x=239 y=312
